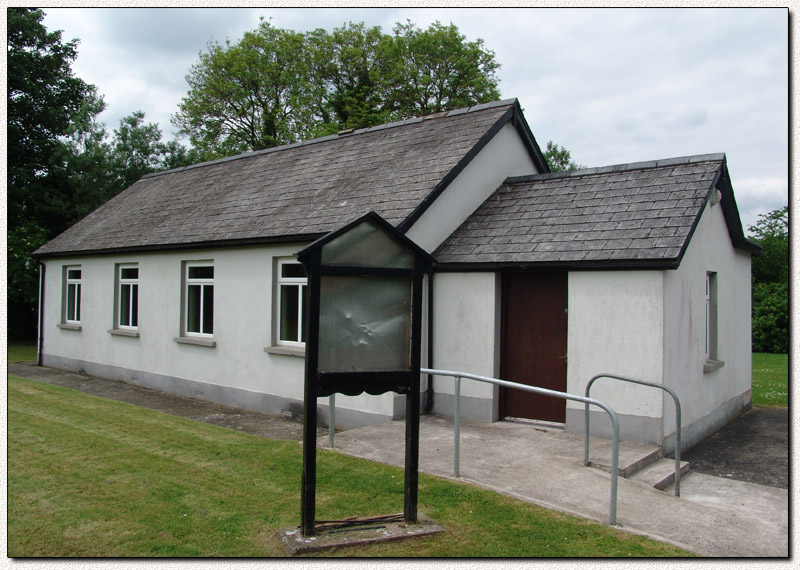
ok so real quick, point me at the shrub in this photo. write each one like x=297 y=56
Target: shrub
x=771 y=318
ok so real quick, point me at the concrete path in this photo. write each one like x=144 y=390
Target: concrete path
x=544 y=465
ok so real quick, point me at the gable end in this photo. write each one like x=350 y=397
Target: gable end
x=514 y=115
x=730 y=212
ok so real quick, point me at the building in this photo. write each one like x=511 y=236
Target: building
x=187 y=281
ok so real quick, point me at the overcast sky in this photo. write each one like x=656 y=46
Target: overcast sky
x=610 y=85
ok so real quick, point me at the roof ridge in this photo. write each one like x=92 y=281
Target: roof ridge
x=340 y=134
x=642 y=165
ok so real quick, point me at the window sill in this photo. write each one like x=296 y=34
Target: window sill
x=287 y=350
x=712 y=365
x=69 y=327
x=209 y=342
x=124 y=332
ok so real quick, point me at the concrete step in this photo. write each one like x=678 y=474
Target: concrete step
x=659 y=474
x=630 y=461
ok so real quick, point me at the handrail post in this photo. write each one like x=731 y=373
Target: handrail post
x=677 y=440
x=586 y=433
x=614 y=468
x=678 y=450
x=331 y=419
x=586 y=417
x=457 y=432
x=614 y=457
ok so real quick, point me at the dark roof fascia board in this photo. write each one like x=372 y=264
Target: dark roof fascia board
x=752 y=246
x=732 y=218
x=525 y=132
x=221 y=244
x=514 y=114
x=371 y=216
x=600 y=265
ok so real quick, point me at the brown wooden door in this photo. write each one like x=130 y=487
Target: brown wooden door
x=534 y=344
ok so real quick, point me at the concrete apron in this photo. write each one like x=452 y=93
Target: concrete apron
x=544 y=465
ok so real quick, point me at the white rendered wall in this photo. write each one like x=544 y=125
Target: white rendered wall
x=616 y=325
x=466 y=333
x=710 y=250
x=505 y=155
x=243 y=291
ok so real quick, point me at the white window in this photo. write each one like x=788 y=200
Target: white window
x=127 y=296
x=72 y=294
x=199 y=299
x=291 y=303
x=711 y=316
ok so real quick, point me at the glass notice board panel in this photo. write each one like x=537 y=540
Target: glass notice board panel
x=367 y=245
x=364 y=324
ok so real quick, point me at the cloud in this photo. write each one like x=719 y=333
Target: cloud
x=138 y=58
x=172 y=30
x=755 y=197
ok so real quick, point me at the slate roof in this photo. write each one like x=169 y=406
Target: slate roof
x=296 y=192
x=640 y=214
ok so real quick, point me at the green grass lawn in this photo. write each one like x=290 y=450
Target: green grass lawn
x=21 y=352
x=770 y=380
x=90 y=477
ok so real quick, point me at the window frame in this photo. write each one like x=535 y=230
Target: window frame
x=711 y=349
x=203 y=282
x=78 y=284
x=121 y=282
x=711 y=317
x=301 y=283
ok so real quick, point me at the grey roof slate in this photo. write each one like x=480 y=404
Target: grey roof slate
x=300 y=191
x=640 y=212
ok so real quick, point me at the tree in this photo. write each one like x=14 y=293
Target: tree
x=354 y=63
x=770 y=275
x=772 y=232
x=175 y=155
x=136 y=150
x=438 y=70
x=45 y=101
x=80 y=175
x=559 y=158
x=771 y=318
x=90 y=168
x=22 y=279
x=257 y=93
x=278 y=86
x=46 y=105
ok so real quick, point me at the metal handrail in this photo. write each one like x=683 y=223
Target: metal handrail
x=535 y=389
x=677 y=421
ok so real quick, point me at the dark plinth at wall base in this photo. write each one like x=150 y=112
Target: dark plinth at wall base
x=298 y=544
